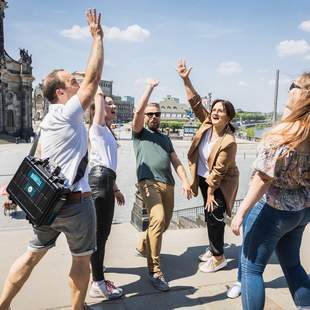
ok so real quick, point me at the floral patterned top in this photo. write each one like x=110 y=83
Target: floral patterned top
x=290 y=188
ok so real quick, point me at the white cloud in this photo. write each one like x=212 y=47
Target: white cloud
x=229 y=68
x=76 y=32
x=242 y=83
x=307 y=57
x=305 y=26
x=293 y=47
x=133 y=33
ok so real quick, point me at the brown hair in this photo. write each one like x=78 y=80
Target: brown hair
x=229 y=109
x=153 y=104
x=295 y=127
x=51 y=83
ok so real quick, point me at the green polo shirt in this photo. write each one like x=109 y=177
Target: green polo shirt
x=153 y=151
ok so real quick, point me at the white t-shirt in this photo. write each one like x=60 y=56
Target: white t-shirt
x=205 y=147
x=64 y=140
x=103 y=147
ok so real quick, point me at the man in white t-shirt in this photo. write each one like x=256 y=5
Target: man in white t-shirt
x=64 y=140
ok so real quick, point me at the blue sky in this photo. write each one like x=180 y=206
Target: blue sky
x=234 y=46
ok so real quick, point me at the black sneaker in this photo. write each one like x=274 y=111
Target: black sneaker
x=158 y=281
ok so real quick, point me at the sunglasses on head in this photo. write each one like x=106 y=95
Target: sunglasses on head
x=151 y=114
x=293 y=85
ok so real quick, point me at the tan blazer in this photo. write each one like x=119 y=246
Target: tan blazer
x=223 y=172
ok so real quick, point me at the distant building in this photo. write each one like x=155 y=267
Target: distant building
x=124 y=108
x=15 y=89
x=124 y=105
x=39 y=104
x=172 y=109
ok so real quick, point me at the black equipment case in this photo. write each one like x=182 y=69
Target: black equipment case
x=38 y=189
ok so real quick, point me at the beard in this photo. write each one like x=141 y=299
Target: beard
x=153 y=126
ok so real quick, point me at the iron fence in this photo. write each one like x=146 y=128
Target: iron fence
x=193 y=212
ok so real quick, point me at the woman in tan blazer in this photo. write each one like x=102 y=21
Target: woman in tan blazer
x=213 y=168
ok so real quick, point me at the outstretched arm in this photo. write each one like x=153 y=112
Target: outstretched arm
x=191 y=94
x=138 y=119
x=180 y=170
x=95 y=63
x=99 y=117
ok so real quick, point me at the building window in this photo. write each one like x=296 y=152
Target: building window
x=10 y=118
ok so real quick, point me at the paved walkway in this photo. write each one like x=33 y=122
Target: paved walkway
x=47 y=286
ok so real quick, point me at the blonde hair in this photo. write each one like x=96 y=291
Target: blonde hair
x=295 y=127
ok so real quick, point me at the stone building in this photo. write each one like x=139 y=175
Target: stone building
x=172 y=109
x=124 y=108
x=15 y=89
x=39 y=104
x=124 y=105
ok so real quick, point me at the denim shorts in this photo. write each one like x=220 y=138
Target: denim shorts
x=77 y=221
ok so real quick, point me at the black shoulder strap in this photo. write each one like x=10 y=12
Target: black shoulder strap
x=81 y=168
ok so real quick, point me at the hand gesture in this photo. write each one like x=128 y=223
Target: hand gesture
x=236 y=224
x=210 y=202
x=94 y=23
x=151 y=82
x=186 y=190
x=182 y=70
x=120 y=199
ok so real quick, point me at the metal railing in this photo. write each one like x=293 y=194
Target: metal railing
x=193 y=213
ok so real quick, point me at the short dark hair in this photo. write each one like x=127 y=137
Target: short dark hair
x=154 y=104
x=229 y=109
x=51 y=83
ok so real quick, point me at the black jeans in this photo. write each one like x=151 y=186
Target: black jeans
x=214 y=219
x=101 y=181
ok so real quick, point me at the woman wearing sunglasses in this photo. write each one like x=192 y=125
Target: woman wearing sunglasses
x=213 y=167
x=103 y=163
x=276 y=208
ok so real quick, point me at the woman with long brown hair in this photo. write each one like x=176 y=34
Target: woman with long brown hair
x=276 y=208
x=102 y=176
x=213 y=167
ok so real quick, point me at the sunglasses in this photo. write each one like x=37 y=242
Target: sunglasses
x=151 y=114
x=293 y=85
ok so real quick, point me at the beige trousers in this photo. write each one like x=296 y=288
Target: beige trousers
x=159 y=201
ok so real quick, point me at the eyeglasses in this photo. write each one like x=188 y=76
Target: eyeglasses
x=151 y=114
x=293 y=85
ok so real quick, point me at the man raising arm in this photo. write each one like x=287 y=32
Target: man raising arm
x=154 y=155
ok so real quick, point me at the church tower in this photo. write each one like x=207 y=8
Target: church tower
x=3 y=6
x=15 y=89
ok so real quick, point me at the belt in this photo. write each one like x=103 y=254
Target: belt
x=77 y=197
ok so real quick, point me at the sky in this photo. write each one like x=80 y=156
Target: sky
x=234 y=47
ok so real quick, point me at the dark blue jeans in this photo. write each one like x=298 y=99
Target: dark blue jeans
x=268 y=229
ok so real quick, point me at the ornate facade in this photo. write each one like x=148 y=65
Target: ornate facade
x=15 y=89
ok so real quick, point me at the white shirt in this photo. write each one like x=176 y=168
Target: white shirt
x=205 y=147
x=103 y=147
x=64 y=140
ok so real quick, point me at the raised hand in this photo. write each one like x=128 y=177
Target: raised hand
x=151 y=82
x=182 y=70
x=94 y=23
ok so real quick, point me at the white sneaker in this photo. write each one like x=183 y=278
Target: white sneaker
x=204 y=257
x=234 y=291
x=105 y=289
x=213 y=265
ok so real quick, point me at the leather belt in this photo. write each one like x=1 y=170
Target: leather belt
x=77 y=197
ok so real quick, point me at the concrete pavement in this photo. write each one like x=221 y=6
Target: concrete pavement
x=47 y=287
